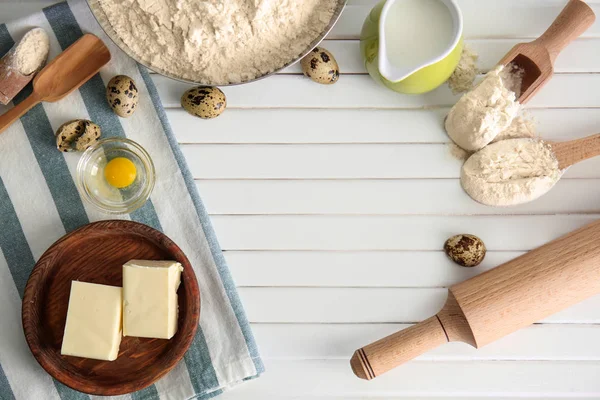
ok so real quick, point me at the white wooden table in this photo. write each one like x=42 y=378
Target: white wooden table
x=332 y=204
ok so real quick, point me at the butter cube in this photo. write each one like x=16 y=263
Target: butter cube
x=150 y=298
x=93 y=328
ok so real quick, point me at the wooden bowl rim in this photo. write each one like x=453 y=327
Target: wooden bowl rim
x=29 y=301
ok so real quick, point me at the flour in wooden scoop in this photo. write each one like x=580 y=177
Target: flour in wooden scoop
x=20 y=65
x=218 y=42
x=510 y=172
x=32 y=51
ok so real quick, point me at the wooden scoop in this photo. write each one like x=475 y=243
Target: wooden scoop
x=536 y=58
x=574 y=151
x=67 y=72
x=12 y=79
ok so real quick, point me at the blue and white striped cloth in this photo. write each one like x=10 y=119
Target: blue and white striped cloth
x=39 y=203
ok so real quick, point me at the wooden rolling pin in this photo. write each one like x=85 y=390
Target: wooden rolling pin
x=498 y=302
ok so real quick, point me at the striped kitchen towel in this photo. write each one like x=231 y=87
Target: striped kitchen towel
x=39 y=203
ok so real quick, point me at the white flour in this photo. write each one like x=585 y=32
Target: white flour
x=32 y=51
x=485 y=111
x=510 y=172
x=218 y=41
x=521 y=127
x=458 y=152
x=465 y=73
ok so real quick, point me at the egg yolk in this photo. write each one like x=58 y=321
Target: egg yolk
x=120 y=172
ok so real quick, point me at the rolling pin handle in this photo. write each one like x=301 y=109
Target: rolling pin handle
x=383 y=355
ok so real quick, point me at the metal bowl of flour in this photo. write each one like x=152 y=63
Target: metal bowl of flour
x=104 y=22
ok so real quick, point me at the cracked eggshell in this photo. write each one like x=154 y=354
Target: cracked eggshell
x=122 y=95
x=77 y=135
x=320 y=66
x=204 y=101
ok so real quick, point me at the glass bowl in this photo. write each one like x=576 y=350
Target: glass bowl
x=96 y=190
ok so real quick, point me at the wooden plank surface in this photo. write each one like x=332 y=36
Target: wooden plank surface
x=336 y=341
x=358 y=91
x=354 y=268
x=381 y=196
x=364 y=126
x=388 y=232
x=336 y=161
x=370 y=305
x=324 y=378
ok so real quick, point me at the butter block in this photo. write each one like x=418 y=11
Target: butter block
x=94 y=316
x=150 y=298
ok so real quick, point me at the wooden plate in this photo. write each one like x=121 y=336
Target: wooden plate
x=96 y=253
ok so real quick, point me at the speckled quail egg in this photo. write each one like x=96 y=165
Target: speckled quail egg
x=122 y=95
x=77 y=135
x=466 y=250
x=320 y=66
x=204 y=101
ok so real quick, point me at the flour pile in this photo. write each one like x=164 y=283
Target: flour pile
x=215 y=41
x=510 y=165
x=32 y=51
x=465 y=73
x=510 y=172
x=485 y=111
x=520 y=127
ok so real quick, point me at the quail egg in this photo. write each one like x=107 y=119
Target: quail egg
x=204 y=101
x=77 y=135
x=466 y=250
x=320 y=66
x=122 y=95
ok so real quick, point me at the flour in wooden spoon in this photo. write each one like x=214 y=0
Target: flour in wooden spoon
x=215 y=41
x=510 y=172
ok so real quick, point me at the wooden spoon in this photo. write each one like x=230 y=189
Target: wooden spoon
x=574 y=151
x=498 y=160
x=536 y=58
x=67 y=72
